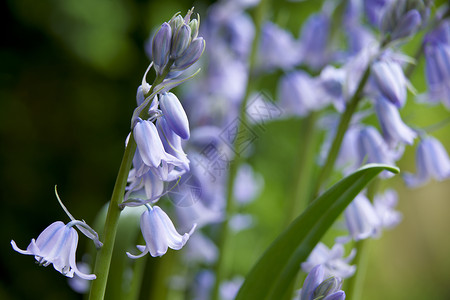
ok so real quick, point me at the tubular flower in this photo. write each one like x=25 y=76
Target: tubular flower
x=390 y=81
x=56 y=245
x=394 y=130
x=432 y=161
x=159 y=233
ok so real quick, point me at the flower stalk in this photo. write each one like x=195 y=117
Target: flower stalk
x=103 y=259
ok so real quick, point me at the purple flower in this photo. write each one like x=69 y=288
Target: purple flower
x=174 y=114
x=361 y=219
x=392 y=126
x=298 y=93
x=391 y=82
x=317 y=286
x=145 y=188
x=278 y=48
x=56 y=245
x=314 y=39
x=248 y=184
x=180 y=41
x=432 y=161
x=161 y=47
x=230 y=288
x=402 y=18
x=159 y=233
x=437 y=68
x=190 y=55
x=375 y=9
x=408 y=25
x=151 y=155
x=384 y=205
x=201 y=249
x=372 y=148
x=332 y=260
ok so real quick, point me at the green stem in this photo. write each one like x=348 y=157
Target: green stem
x=342 y=128
x=304 y=167
x=104 y=256
x=103 y=260
x=234 y=166
x=355 y=284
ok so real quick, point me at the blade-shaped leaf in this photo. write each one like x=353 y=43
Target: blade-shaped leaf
x=272 y=275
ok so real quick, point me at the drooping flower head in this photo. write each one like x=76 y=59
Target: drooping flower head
x=56 y=245
x=432 y=161
x=159 y=233
x=437 y=67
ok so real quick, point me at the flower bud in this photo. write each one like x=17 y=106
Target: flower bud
x=181 y=40
x=191 y=55
x=408 y=25
x=176 y=22
x=175 y=115
x=161 y=47
x=402 y=18
x=194 y=25
x=328 y=287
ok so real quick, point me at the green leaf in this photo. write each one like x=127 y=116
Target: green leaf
x=275 y=271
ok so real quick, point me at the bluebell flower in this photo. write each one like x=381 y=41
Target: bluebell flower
x=172 y=142
x=159 y=233
x=372 y=148
x=437 y=59
x=151 y=155
x=278 y=48
x=174 y=114
x=200 y=249
x=57 y=245
x=384 y=205
x=177 y=43
x=375 y=9
x=298 y=93
x=144 y=188
x=393 y=128
x=391 y=82
x=432 y=161
x=358 y=37
x=332 y=83
x=313 y=41
x=402 y=18
x=361 y=219
x=318 y=286
x=190 y=55
x=248 y=184
x=332 y=261
x=230 y=288
x=161 y=47
x=180 y=40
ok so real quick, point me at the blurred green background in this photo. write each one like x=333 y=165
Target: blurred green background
x=68 y=77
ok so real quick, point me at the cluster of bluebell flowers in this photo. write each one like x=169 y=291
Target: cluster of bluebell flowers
x=159 y=126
